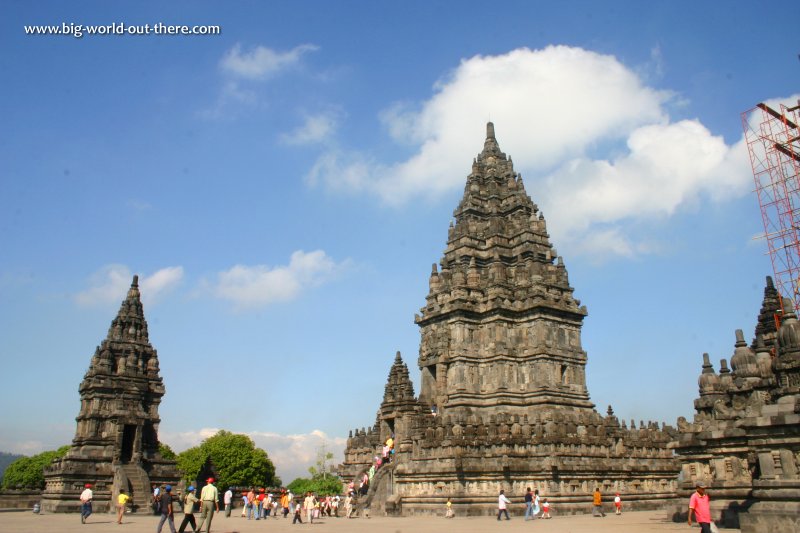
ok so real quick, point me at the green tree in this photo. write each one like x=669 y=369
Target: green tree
x=28 y=472
x=166 y=452
x=234 y=457
x=322 y=485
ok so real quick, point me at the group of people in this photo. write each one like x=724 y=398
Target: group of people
x=540 y=508
x=208 y=503
x=262 y=504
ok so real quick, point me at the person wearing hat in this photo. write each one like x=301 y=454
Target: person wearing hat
x=166 y=510
x=188 y=510
x=86 y=502
x=209 y=500
x=700 y=507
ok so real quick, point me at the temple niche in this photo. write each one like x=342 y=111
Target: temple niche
x=503 y=402
x=116 y=441
x=744 y=441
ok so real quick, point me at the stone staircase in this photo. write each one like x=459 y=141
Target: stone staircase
x=136 y=480
x=380 y=492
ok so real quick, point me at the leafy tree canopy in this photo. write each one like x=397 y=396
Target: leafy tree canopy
x=235 y=459
x=28 y=472
x=321 y=485
x=166 y=452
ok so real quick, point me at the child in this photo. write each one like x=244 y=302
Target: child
x=449 y=513
x=298 y=514
x=618 y=503
x=545 y=509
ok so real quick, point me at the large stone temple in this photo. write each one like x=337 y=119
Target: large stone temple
x=744 y=441
x=503 y=401
x=116 y=440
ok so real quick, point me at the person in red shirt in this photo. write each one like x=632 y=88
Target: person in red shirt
x=700 y=507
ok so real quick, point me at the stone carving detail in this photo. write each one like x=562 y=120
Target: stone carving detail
x=744 y=439
x=503 y=401
x=116 y=439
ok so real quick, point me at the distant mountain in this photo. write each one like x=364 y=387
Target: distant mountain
x=5 y=460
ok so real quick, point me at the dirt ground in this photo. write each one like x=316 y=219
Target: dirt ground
x=633 y=522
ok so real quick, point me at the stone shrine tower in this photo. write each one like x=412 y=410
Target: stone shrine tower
x=501 y=331
x=503 y=401
x=744 y=441
x=116 y=440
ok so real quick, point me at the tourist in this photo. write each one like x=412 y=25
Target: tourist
x=618 y=504
x=536 y=508
x=502 y=503
x=86 y=502
x=188 y=510
x=335 y=504
x=251 y=497
x=166 y=510
x=545 y=508
x=122 y=502
x=209 y=499
x=528 y=504
x=700 y=507
x=348 y=505
x=244 y=504
x=227 y=499
x=308 y=505
x=597 y=501
x=156 y=499
x=260 y=502
x=267 y=505
x=449 y=512
x=298 y=514
x=286 y=503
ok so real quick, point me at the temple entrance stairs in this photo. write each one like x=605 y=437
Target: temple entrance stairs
x=381 y=491
x=133 y=478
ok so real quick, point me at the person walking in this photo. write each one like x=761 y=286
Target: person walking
x=597 y=501
x=545 y=508
x=86 y=502
x=209 y=499
x=308 y=505
x=502 y=505
x=227 y=499
x=700 y=507
x=528 y=504
x=122 y=502
x=188 y=510
x=449 y=513
x=536 y=508
x=166 y=510
x=617 y=504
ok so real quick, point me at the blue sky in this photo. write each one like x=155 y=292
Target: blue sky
x=283 y=188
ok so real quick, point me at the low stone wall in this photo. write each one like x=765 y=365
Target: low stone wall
x=19 y=499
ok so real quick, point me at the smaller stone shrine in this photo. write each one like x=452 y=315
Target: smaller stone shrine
x=744 y=442
x=116 y=440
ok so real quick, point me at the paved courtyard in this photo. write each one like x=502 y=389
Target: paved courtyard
x=27 y=522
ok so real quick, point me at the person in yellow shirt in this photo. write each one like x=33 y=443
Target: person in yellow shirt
x=122 y=502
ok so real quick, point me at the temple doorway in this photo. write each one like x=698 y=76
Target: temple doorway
x=128 y=438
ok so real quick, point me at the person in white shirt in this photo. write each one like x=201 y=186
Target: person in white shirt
x=86 y=502
x=227 y=499
x=502 y=503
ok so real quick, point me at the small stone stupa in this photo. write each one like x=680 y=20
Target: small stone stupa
x=503 y=401
x=116 y=440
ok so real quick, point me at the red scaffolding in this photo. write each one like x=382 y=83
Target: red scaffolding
x=773 y=141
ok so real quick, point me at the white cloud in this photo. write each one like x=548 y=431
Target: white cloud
x=594 y=142
x=110 y=284
x=291 y=454
x=261 y=62
x=260 y=285
x=315 y=129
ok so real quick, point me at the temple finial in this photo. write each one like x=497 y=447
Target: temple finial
x=135 y=281
x=490 y=130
